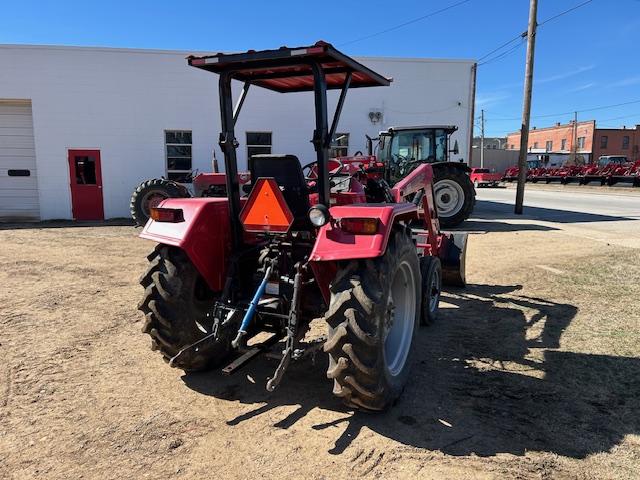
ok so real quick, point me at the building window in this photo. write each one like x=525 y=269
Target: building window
x=258 y=143
x=581 y=142
x=603 y=141
x=513 y=147
x=564 y=144
x=178 y=153
x=535 y=144
x=339 y=145
x=625 y=142
x=549 y=146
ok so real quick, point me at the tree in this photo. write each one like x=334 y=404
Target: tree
x=574 y=157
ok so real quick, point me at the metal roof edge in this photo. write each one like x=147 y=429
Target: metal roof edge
x=358 y=58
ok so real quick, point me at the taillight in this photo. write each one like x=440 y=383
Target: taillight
x=364 y=226
x=170 y=215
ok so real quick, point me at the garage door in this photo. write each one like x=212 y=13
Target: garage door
x=19 y=199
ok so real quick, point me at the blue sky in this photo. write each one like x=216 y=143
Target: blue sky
x=587 y=59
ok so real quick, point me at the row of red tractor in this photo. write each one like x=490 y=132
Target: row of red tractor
x=608 y=171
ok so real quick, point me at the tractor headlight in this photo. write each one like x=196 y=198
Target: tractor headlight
x=319 y=215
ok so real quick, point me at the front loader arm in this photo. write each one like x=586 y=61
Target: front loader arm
x=420 y=182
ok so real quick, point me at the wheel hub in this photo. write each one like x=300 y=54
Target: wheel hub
x=153 y=199
x=391 y=311
x=449 y=198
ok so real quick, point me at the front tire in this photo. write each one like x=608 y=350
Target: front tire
x=431 y=272
x=373 y=318
x=176 y=304
x=454 y=195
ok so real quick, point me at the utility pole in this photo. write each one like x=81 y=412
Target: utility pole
x=526 y=107
x=481 y=138
x=575 y=131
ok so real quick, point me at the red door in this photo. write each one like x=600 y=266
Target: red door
x=86 y=185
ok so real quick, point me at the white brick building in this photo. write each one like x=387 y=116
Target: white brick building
x=115 y=113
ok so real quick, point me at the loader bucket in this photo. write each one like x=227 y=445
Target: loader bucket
x=453 y=264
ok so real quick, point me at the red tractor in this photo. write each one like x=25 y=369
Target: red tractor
x=400 y=151
x=241 y=277
x=151 y=192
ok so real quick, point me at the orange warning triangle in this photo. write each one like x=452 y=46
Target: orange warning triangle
x=266 y=209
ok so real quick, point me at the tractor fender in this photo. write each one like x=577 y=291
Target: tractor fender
x=460 y=166
x=333 y=243
x=204 y=235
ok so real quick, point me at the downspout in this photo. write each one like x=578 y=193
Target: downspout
x=472 y=94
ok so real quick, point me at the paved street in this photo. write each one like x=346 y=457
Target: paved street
x=608 y=214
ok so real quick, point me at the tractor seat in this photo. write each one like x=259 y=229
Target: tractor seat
x=287 y=172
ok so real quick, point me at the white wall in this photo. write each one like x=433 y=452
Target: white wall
x=423 y=92
x=121 y=101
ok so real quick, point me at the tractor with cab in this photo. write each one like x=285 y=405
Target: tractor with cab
x=400 y=150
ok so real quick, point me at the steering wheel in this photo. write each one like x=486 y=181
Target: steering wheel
x=400 y=162
x=394 y=170
x=312 y=170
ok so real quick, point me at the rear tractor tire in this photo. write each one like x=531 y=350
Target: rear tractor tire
x=149 y=194
x=373 y=317
x=176 y=304
x=454 y=195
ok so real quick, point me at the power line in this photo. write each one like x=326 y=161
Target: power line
x=565 y=12
x=502 y=46
x=501 y=56
x=617 y=118
x=567 y=113
x=405 y=24
x=610 y=106
x=524 y=36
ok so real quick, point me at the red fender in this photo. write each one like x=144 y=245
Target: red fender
x=333 y=243
x=205 y=235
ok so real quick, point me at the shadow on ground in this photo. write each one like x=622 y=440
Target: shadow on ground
x=488 y=210
x=475 y=386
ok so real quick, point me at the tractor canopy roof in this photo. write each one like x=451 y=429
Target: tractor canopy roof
x=290 y=69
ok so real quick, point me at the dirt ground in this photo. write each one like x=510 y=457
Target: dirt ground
x=533 y=371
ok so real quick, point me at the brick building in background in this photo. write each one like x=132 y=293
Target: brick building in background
x=617 y=141
x=552 y=145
